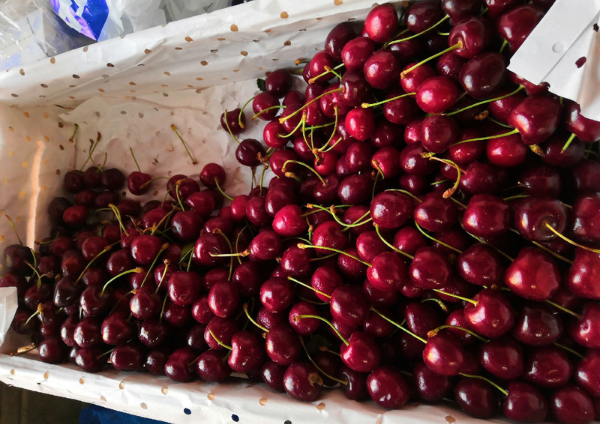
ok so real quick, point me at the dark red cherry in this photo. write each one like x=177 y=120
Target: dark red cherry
x=145 y=248
x=212 y=366
x=248 y=152
x=276 y=294
x=184 y=287
x=585 y=330
x=90 y=359
x=361 y=354
x=439 y=132
x=264 y=101
x=548 y=367
x=430 y=386
x=572 y=405
x=476 y=397
x=337 y=38
x=533 y=215
x=502 y=357
x=153 y=333
x=177 y=315
x=483 y=75
x=116 y=329
x=585 y=223
x=533 y=275
x=540 y=181
x=182 y=185
x=412 y=80
x=413 y=163
x=525 y=403
x=51 y=350
x=318 y=67
x=436 y=213
x=247 y=352
x=181 y=365
x=507 y=151
x=282 y=345
x=492 y=314
x=444 y=354
x=436 y=94
x=387 y=386
x=223 y=329
x=391 y=210
x=74 y=182
x=429 y=269
x=536 y=118
x=302 y=381
x=487 y=216
x=231 y=123
x=449 y=65
x=207 y=245
x=76 y=216
x=587 y=130
x=381 y=23
x=382 y=70
x=128 y=357
x=356 y=52
x=582 y=275
x=472 y=35
x=516 y=25
x=400 y=111
x=360 y=123
x=480 y=265
x=461 y=9
x=423 y=15
x=278 y=83
x=112 y=179
x=348 y=306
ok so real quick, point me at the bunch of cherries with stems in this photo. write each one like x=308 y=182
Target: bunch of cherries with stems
x=431 y=233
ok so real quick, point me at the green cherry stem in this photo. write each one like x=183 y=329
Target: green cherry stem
x=420 y=33
x=90 y=263
x=306 y=246
x=366 y=105
x=390 y=245
x=194 y=161
x=569 y=240
x=263 y=111
x=456 y=112
x=327 y=71
x=285 y=118
x=221 y=190
x=12 y=224
x=568 y=349
x=399 y=326
x=219 y=341
x=422 y=231
x=136 y=270
x=299 y=317
x=72 y=139
x=218 y=231
x=458 y=45
x=91 y=151
x=345 y=383
x=266 y=330
x=309 y=287
x=456 y=296
x=515 y=131
x=568 y=311
x=153 y=264
x=135 y=160
x=450 y=192
x=162 y=277
x=240 y=123
x=302 y=164
x=438 y=301
x=487 y=380
x=489 y=118
x=408 y=193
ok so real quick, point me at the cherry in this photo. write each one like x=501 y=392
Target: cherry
x=90 y=359
x=348 y=306
x=112 y=179
x=586 y=373
x=223 y=329
x=360 y=353
x=86 y=198
x=272 y=375
x=276 y=294
x=356 y=52
x=525 y=403
x=506 y=151
x=87 y=333
x=534 y=215
x=184 y=288
x=138 y=182
x=337 y=38
x=483 y=75
x=76 y=216
x=439 y=132
x=533 y=275
x=116 y=329
x=480 y=265
x=177 y=315
x=548 y=367
x=212 y=366
x=449 y=65
x=429 y=269
x=387 y=386
x=536 y=118
x=421 y=318
x=430 y=386
x=302 y=381
x=443 y=354
x=360 y=123
x=585 y=225
x=381 y=70
x=356 y=383
x=74 y=182
x=278 y=83
x=381 y=23
x=582 y=275
x=436 y=94
x=490 y=313
x=540 y=181
x=320 y=65
x=587 y=130
x=460 y=9
x=181 y=364
x=476 y=397
x=57 y=207
x=386 y=161
x=353 y=215
x=503 y=357
x=156 y=360
x=486 y=216
x=128 y=357
x=537 y=325
x=262 y=102
x=436 y=213
x=153 y=333
x=585 y=330
x=230 y=121
x=186 y=225
x=282 y=345
x=377 y=326
x=248 y=278
x=207 y=246
x=399 y=109
x=516 y=25
x=247 y=352
x=51 y=350
x=412 y=77
x=571 y=405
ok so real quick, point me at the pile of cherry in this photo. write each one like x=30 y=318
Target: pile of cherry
x=431 y=234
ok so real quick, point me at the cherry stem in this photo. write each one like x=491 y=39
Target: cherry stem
x=434 y=332
x=162 y=310
x=218 y=231
x=194 y=161
x=152 y=180
x=314 y=127
x=450 y=192
x=366 y=105
x=106 y=249
x=408 y=193
x=332 y=211
x=117 y=214
x=299 y=317
x=240 y=123
x=306 y=166
x=487 y=380
x=443 y=34
x=489 y=118
x=562 y=308
x=37 y=312
x=306 y=246
x=324 y=148
x=515 y=131
x=262 y=176
x=292 y=132
x=72 y=139
x=556 y=255
x=568 y=349
x=482 y=241
x=92 y=149
x=221 y=190
x=328 y=70
x=391 y=246
x=237 y=239
x=439 y=182
x=321 y=258
x=462 y=205
x=164 y=219
x=569 y=240
x=266 y=330
x=420 y=33
x=398 y=325
x=422 y=231
x=458 y=45
x=345 y=383
x=162 y=277
x=34 y=269
x=504 y=44
x=153 y=264
x=438 y=301
x=136 y=270
x=265 y=110
x=218 y=341
x=12 y=224
x=282 y=120
x=456 y=112
x=455 y=296
x=135 y=160
x=309 y=287
x=23 y=350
